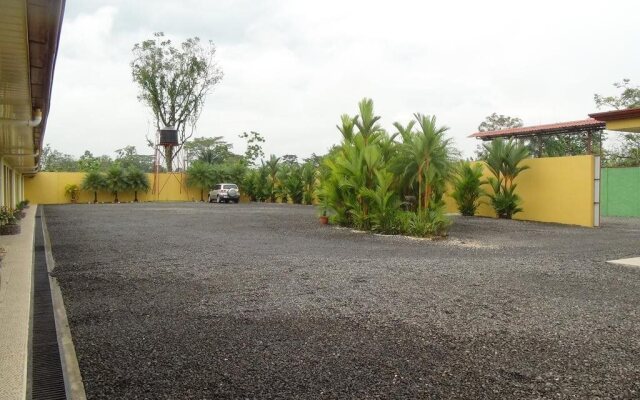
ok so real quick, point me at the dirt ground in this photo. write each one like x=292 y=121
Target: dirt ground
x=260 y=301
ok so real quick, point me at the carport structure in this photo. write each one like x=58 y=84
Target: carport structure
x=587 y=129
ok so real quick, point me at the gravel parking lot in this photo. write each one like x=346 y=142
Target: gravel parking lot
x=260 y=301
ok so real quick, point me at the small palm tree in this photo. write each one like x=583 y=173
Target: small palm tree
x=308 y=174
x=137 y=181
x=116 y=181
x=504 y=160
x=202 y=176
x=427 y=159
x=94 y=181
x=272 y=166
x=467 y=187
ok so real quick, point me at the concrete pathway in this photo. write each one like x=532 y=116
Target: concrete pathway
x=15 y=308
x=629 y=262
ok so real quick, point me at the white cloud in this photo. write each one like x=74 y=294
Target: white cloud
x=291 y=68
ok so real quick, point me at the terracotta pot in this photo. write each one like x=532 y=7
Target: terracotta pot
x=9 y=229
x=324 y=219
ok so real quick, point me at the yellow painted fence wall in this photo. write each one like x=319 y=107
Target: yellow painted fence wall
x=554 y=189
x=557 y=189
x=49 y=188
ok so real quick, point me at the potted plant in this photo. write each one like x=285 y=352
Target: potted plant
x=324 y=205
x=20 y=213
x=24 y=204
x=8 y=222
x=72 y=190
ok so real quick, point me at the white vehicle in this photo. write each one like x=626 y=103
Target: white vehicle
x=224 y=192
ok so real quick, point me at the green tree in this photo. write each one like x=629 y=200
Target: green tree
x=87 y=162
x=136 y=181
x=201 y=175
x=496 y=122
x=504 y=160
x=116 y=181
x=254 y=146
x=627 y=154
x=272 y=165
x=128 y=157
x=467 y=187
x=427 y=158
x=212 y=150
x=174 y=82
x=94 y=181
x=628 y=98
x=308 y=176
x=55 y=161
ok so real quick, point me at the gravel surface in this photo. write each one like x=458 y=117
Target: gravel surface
x=260 y=301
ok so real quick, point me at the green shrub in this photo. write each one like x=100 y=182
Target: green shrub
x=504 y=160
x=467 y=187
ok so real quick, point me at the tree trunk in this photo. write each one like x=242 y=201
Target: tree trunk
x=201 y=194
x=419 y=188
x=135 y=196
x=168 y=156
x=116 y=199
x=95 y=197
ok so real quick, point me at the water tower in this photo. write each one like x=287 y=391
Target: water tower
x=167 y=144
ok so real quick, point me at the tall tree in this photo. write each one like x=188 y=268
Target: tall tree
x=628 y=98
x=129 y=158
x=254 y=146
x=174 y=82
x=53 y=160
x=496 y=122
x=212 y=150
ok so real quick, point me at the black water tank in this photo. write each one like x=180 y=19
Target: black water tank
x=169 y=136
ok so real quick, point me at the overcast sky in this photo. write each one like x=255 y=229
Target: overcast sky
x=291 y=68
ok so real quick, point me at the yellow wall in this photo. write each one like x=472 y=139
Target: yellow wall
x=555 y=189
x=48 y=188
x=626 y=125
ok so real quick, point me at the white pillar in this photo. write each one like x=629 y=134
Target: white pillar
x=3 y=182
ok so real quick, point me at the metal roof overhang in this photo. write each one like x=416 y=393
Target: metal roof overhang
x=562 y=128
x=29 y=36
x=620 y=120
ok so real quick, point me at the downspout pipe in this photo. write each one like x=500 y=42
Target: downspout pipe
x=31 y=123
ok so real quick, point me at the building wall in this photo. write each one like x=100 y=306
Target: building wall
x=626 y=125
x=555 y=189
x=620 y=192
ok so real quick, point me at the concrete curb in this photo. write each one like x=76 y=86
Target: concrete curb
x=70 y=368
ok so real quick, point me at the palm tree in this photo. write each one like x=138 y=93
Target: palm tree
x=94 y=181
x=116 y=181
x=272 y=166
x=367 y=121
x=504 y=162
x=308 y=174
x=201 y=175
x=137 y=180
x=467 y=187
x=427 y=158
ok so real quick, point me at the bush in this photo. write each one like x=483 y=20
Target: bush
x=429 y=223
x=466 y=185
